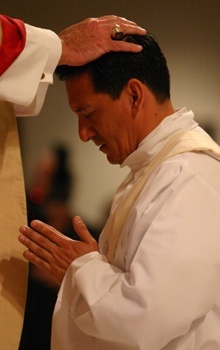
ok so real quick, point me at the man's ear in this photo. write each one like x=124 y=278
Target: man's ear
x=136 y=95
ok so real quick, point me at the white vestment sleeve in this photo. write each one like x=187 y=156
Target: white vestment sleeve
x=26 y=81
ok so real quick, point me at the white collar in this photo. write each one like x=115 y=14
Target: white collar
x=182 y=119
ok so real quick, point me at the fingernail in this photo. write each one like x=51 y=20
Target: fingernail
x=21 y=238
x=33 y=224
x=23 y=229
x=78 y=219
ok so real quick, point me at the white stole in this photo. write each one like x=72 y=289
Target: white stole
x=180 y=142
x=13 y=267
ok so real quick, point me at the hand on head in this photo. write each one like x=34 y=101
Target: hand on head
x=86 y=41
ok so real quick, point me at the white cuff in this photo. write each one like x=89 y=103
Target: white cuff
x=31 y=73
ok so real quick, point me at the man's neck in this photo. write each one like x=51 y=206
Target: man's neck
x=154 y=116
x=163 y=110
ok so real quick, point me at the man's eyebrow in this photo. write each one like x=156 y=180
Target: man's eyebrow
x=80 y=109
x=83 y=108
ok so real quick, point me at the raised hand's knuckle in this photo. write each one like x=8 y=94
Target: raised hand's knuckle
x=41 y=241
x=38 y=251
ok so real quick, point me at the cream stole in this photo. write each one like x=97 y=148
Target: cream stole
x=183 y=141
x=13 y=267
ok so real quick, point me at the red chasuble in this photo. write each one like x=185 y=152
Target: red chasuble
x=13 y=41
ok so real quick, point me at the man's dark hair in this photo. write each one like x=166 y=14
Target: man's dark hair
x=113 y=70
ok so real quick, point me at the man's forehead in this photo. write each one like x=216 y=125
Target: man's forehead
x=81 y=92
x=84 y=78
x=80 y=85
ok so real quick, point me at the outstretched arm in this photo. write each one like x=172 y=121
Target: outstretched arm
x=52 y=251
x=36 y=53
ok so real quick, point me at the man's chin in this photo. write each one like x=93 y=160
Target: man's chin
x=112 y=160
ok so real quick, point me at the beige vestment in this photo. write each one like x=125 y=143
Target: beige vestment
x=13 y=267
x=25 y=86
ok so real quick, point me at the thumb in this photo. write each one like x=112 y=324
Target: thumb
x=81 y=230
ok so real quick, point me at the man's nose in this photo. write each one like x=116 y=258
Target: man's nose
x=86 y=131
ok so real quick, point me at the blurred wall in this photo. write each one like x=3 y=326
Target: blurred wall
x=189 y=34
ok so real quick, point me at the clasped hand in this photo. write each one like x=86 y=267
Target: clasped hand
x=52 y=251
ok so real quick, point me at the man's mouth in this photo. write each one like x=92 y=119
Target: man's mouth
x=101 y=146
